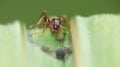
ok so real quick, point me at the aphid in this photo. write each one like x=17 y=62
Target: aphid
x=60 y=53
x=45 y=48
x=52 y=22
x=63 y=52
x=59 y=37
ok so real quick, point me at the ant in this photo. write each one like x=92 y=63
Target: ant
x=52 y=22
x=60 y=52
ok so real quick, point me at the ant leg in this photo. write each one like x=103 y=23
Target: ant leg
x=68 y=30
x=31 y=26
x=45 y=26
x=63 y=19
x=66 y=24
x=66 y=56
x=43 y=16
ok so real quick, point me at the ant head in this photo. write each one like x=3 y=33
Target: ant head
x=55 y=25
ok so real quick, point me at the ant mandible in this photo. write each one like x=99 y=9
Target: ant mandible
x=52 y=22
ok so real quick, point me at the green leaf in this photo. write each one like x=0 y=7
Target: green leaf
x=95 y=43
x=98 y=39
x=19 y=49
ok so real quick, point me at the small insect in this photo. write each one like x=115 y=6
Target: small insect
x=60 y=37
x=60 y=52
x=45 y=48
x=52 y=22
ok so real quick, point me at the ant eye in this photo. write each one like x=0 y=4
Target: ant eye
x=60 y=53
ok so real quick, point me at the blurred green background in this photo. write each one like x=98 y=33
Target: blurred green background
x=30 y=10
